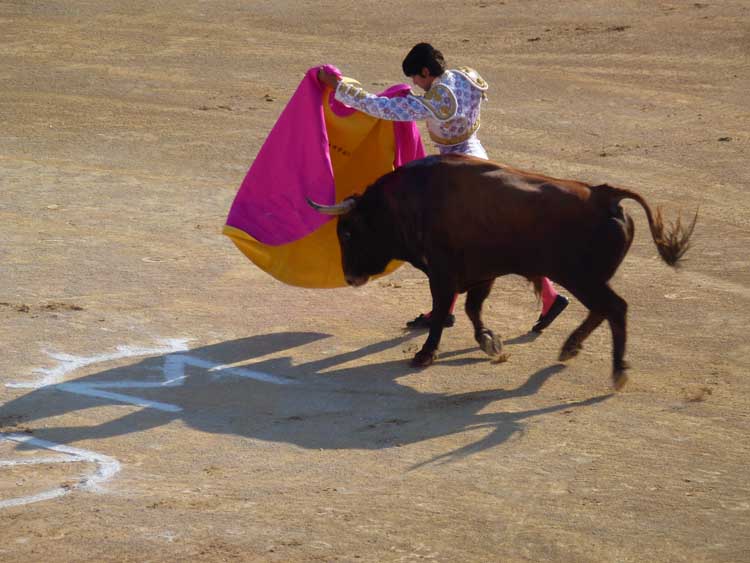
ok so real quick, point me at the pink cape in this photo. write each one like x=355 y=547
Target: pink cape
x=294 y=163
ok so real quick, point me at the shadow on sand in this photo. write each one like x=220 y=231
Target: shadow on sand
x=341 y=401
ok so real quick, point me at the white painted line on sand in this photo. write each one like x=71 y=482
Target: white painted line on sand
x=94 y=391
x=69 y=363
x=106 y=467
x=174 y=375
x=173 y=372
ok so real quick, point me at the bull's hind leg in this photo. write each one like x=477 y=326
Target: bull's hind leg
x=490 y=344
x=574 y=343
x=618 y=323
x=603 y=303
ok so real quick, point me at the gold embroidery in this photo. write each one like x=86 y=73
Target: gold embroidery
x=473 y=77
x=352 y=89
x=454 y=140
x=349 y=87
x=441 y=101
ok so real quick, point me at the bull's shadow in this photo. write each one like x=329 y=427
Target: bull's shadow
x=333 y=402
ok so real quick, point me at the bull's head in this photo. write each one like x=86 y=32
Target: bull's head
x=365 y=248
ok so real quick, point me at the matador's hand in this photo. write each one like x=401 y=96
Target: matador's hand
x=328 y=78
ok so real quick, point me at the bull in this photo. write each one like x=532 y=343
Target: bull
x=465 y=221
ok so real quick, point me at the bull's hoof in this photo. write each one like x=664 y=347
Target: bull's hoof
x=569 y=352
x=423 y=359
x=620 y=377
x=490 y=344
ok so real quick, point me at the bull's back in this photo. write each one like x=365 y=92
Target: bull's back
x=485 y=197
x=496 y=218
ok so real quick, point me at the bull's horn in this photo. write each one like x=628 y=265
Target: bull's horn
x=339 y=209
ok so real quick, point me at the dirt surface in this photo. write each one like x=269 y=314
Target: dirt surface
x=286 y=424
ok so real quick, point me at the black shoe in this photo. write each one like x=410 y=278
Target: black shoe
x=545 y=320
x=423 y=321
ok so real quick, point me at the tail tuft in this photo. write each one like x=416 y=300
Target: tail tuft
x=674 y=241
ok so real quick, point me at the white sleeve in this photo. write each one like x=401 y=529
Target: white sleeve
x=407 y=108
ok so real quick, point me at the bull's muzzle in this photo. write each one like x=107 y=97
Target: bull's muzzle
x=356 y=281
x=338 y=209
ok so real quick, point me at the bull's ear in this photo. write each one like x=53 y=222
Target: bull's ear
x=339 y=209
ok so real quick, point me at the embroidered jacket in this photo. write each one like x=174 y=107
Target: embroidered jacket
x=450 y=107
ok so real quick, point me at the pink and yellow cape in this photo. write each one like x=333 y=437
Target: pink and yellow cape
x=323 y=150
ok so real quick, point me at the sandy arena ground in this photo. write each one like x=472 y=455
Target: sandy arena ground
x=165 y=400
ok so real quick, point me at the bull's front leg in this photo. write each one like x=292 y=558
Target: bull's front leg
x=443 y=292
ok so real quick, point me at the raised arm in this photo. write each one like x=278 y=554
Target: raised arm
x=351 y=93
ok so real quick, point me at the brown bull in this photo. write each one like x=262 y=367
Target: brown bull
x=465 y=221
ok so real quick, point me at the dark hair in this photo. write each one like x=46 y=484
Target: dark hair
x=423 y=55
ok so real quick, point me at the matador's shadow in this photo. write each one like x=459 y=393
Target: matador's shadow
x=337 y=402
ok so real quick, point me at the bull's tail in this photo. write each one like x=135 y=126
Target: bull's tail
x=671 y=241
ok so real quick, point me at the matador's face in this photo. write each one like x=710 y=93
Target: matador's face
x=423 y=79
